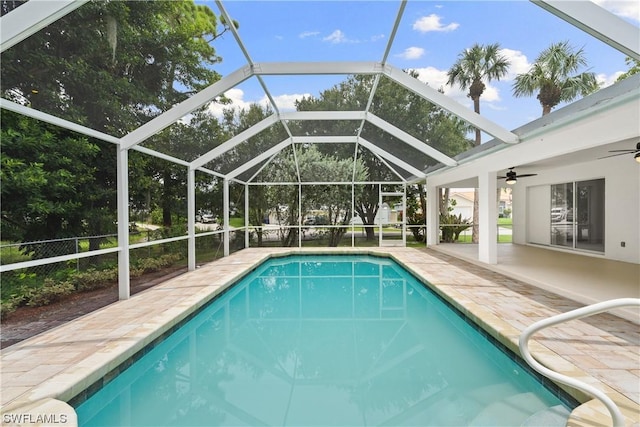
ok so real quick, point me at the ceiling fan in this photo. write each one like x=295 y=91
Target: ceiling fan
x=512 y=177
x=628 y=151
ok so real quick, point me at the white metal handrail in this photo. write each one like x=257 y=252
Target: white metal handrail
x=616 y=415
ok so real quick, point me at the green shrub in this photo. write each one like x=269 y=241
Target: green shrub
x=55 y=289
x=50 y=292
x=94 y=279
x=9 y=305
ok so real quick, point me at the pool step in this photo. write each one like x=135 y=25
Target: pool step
x=554 y=416
x=514 y=410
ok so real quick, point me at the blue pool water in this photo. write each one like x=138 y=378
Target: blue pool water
x=324 y=341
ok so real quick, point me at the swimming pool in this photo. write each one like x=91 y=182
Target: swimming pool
x=325 y=340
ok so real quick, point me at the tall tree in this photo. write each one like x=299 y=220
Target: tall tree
x=553 y=76
x=334 y=200
x=475 y=66
x=113 y=66
x=43 y=169
x=396 y=105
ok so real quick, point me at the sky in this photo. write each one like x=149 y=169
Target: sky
x=429 y=39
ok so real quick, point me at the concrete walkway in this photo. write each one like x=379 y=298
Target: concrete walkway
x=582 y=278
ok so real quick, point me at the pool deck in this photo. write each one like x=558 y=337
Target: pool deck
x=54 y=367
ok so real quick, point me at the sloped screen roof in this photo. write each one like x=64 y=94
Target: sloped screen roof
x=180 y=81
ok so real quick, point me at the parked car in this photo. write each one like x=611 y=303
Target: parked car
x=557 y=214
x=316 y=220
x=208 y=218
x=561 y=214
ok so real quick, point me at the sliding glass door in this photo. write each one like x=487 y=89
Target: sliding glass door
x=590 y=215
x=577 y=215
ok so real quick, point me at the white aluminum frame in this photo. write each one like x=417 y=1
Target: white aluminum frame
x=35 y=15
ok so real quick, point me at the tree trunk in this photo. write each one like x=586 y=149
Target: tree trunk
x=474 y=230
x=444 y=201
x=166 y=198
x=478 y=141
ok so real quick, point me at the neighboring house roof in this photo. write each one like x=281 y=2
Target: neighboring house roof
x=466 y=195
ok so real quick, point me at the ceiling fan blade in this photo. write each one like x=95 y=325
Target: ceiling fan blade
x=614 y=155
x=524 y=175
x=501 y=177
x=622 y=151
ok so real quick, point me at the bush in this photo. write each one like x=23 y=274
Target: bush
x=94 y=279
x=53 y=290
x=50 y=292
x=451 y=226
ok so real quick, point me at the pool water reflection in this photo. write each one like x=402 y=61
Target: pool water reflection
x=323 y=340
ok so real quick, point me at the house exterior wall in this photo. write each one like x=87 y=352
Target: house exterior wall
x=532 y=204
x=558 y=147
x=464 y=205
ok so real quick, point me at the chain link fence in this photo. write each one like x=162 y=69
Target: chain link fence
x=85 y=272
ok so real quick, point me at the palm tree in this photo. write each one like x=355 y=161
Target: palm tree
x=634 y=68
x=553 y=75
x=474 y=66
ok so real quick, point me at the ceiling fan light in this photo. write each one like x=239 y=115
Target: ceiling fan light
x=637 y=157
x=511 y=180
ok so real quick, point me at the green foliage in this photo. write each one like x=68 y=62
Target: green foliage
x=452 y=225
x=332 y=200
x=475 y=66
x=396 y=105
x=554 y=76
x=634 y=68
x=111 y=66
x=35 y=291
x=51 y=291
x=416 y=207
x=49 y=182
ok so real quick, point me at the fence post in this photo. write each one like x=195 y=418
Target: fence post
x=77 y=252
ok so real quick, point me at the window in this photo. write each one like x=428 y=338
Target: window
x=577 y=215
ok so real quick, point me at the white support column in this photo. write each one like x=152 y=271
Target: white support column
x=404 y=214
x=432 y=217
x=191 y=218
x=353 y=213
x=379 y=218
x=487 y=218
x=299 y=214
x=246 y=216
x=225 y=214
x=122 y=161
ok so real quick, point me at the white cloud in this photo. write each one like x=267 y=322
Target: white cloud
x=377 y=37
x=286 y=102
x=308 y=34
x=519 y=64
x=624 y=8
x=432 y=23
x=437 y=79
x=236 y=96
x=336 y=37
x=412 y=53
x=605 y=80
x=490 y=94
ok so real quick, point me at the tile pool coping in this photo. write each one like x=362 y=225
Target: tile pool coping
x=65 y=361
